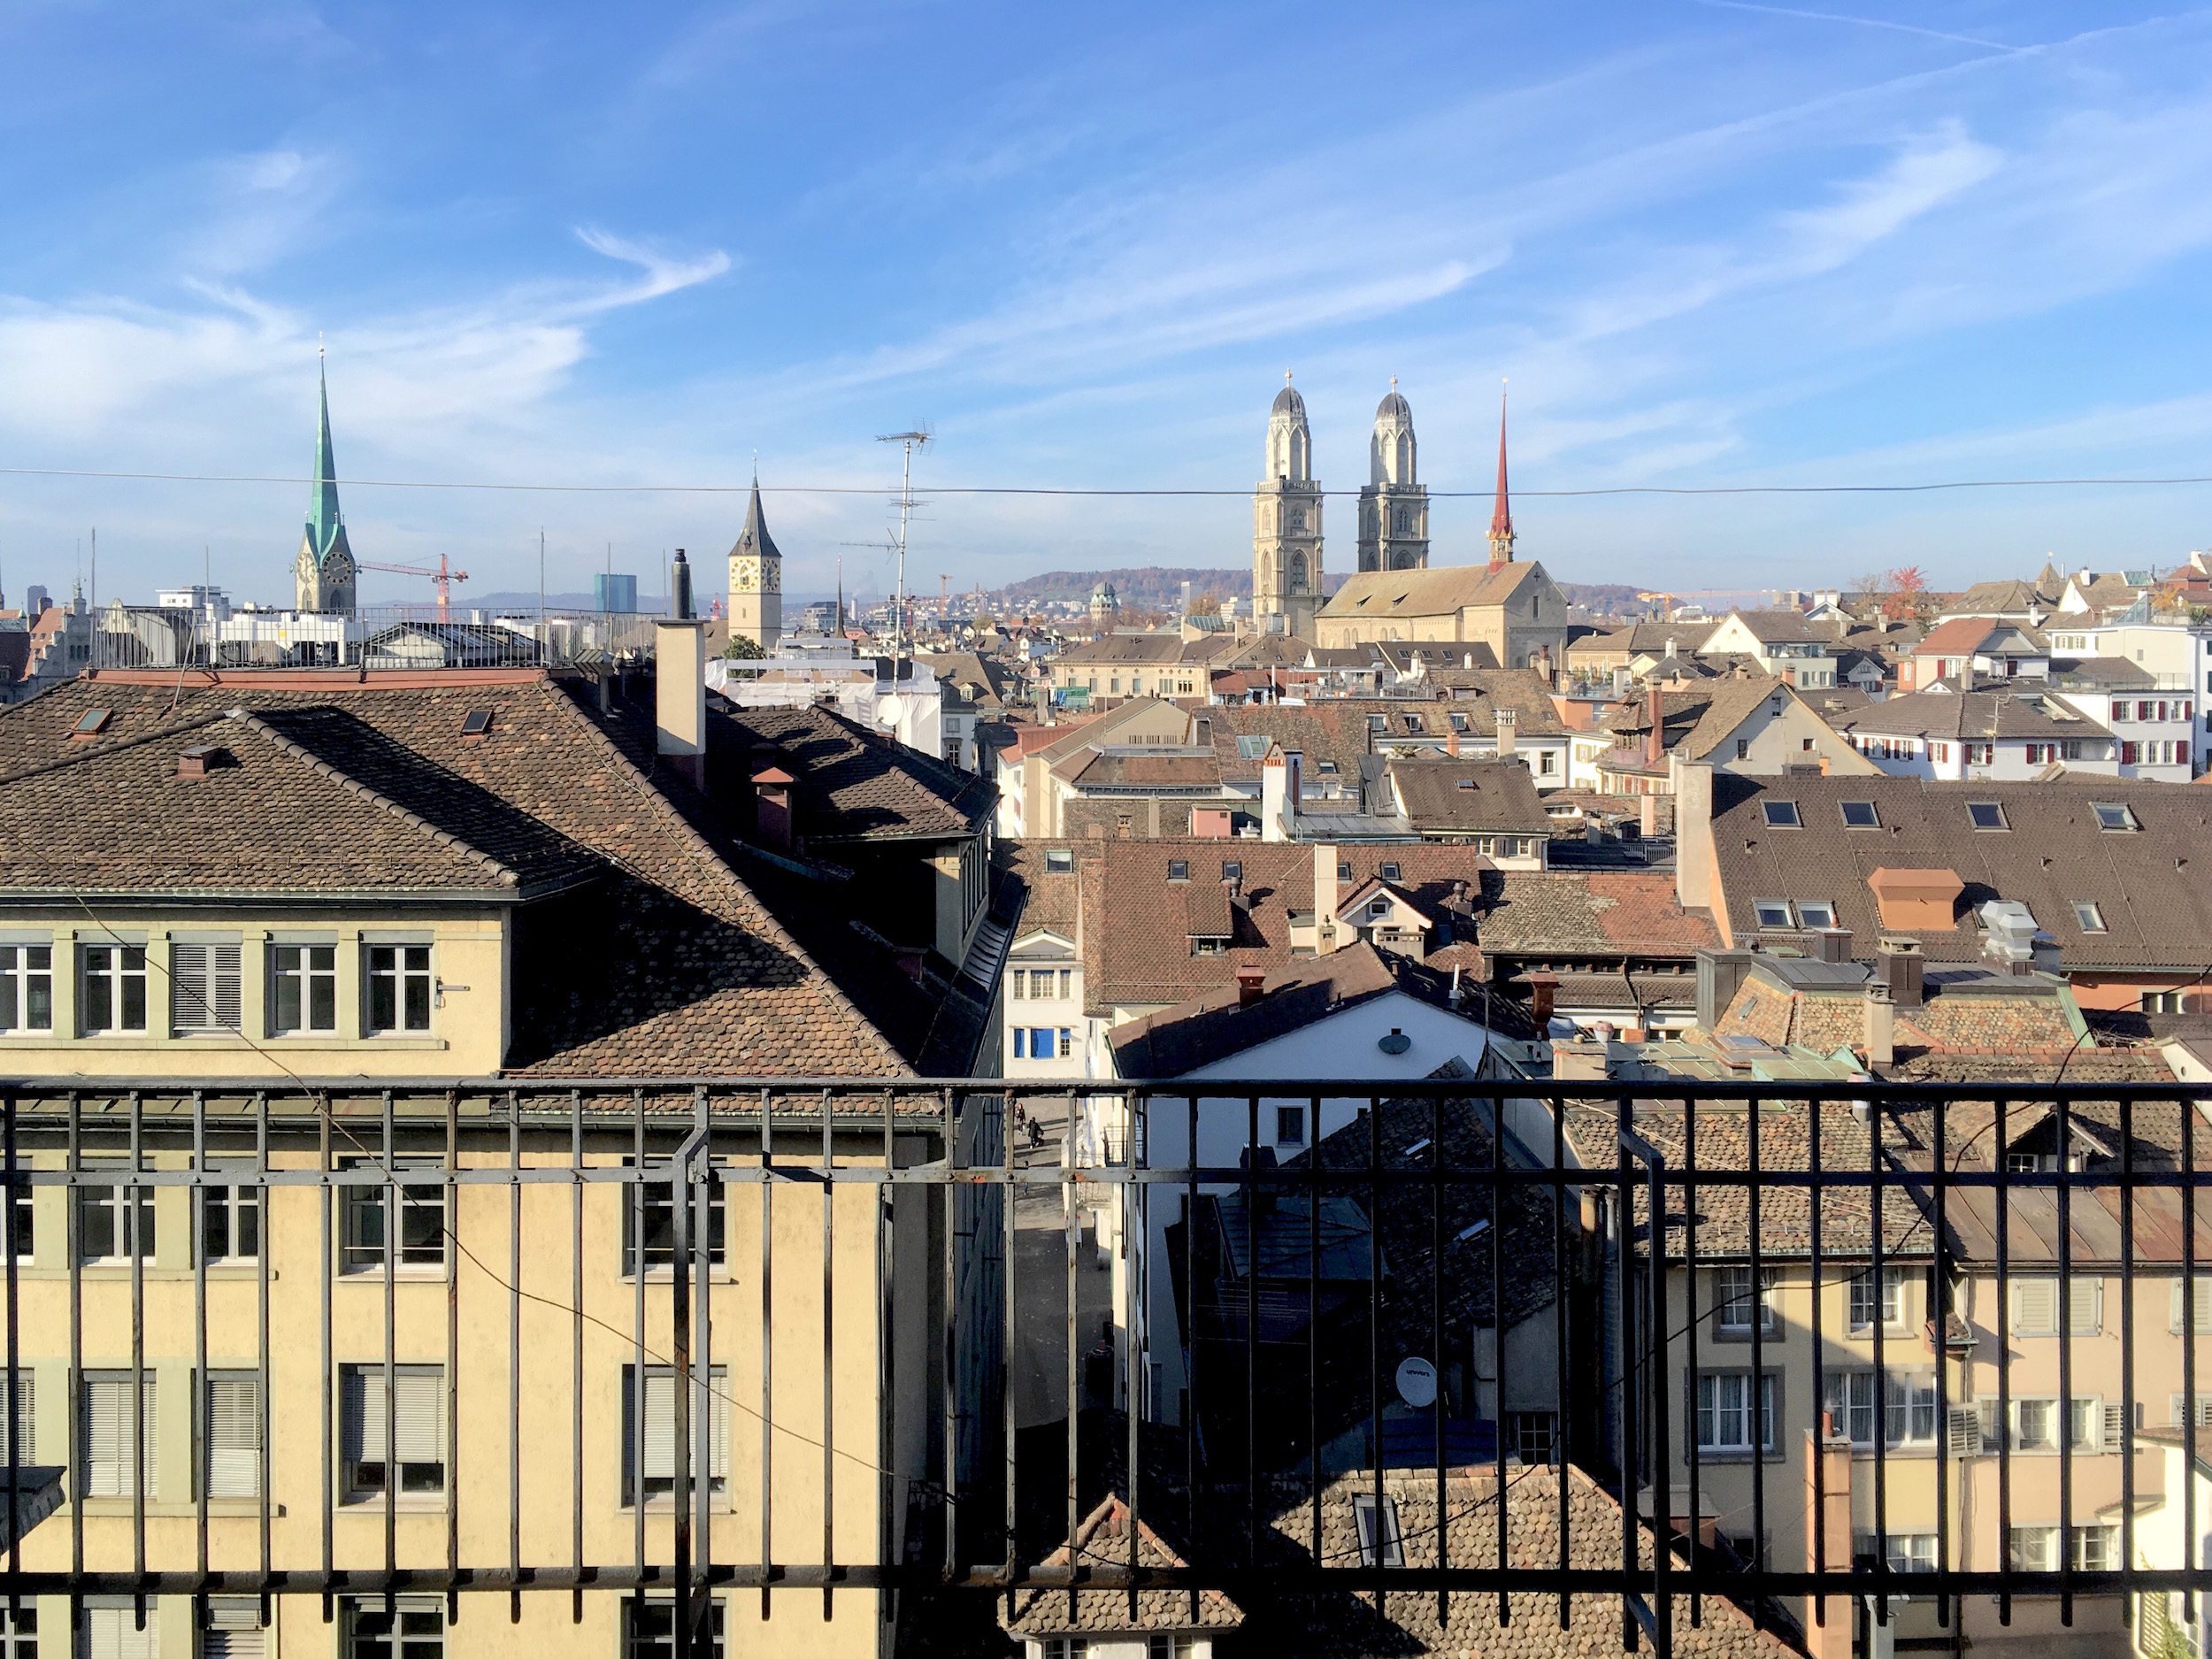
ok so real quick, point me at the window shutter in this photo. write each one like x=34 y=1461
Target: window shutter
x=365 y=1441
x=1966 y=1430
x=109 y=1449
x=232 y=1630
x=2202 y=1314
x=660 y=1427
x=225 y=984
x=188 y=990
x=233 y=1437
x=25 y=1419
x=2085 y=1307
x=2035 y=1306
x=2115 y=1427
x=418 y=1407
x=113 y=1632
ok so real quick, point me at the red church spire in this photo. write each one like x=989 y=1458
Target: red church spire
x=1502 y=517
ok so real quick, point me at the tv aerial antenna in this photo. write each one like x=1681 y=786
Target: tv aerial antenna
x=908 y=443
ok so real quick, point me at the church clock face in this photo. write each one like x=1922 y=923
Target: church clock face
x=745 y=577
x=771 y=575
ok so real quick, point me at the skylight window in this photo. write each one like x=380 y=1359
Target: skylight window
x=1061 y=858
x=1179 y=870
x=1782 y=815
x=1390 y=873
x=1861 y=815
x=91 y=724
x=2088 y=917
x=1986 y=815
x=1816 y=913
x=1771 y=912
x=1232 y=870
x=478 y=723
x=2111 y=814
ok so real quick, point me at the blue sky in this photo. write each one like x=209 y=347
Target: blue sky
x=1710 y=243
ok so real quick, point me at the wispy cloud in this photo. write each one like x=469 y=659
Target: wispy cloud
x=664 y=274
x=1860 y=22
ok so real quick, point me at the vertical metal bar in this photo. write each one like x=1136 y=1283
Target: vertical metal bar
x=1816 y=1197
x=514 y=1353
x=1436 y=1347
x=197 y=1225
x=1071 y=1230
x=449 y=1248
x=2189 y=1337
x=886 y=1414
x=698 y=1193
x=1761 y=1425
x=1251 y=1162
x=2065 y=1368
x=2003 y=1171
x=1689 y=1327
x=1562 y=1448
x=1877 y=1240
x=576 y=1348
x=1374 y=1340
x=1625 y=1294
x=1313 y=1317
x=263 y=1362
x=767 y=1345
x=1191 y=1462
x=76 y=1359
x=328 y=1456
x=1011 y=1345
x=634 y=1197
x=951 y=1374
x=138 y=1357
x=680 y=1392
x=1662 y=1520
x=1942 y=1321
x=15 y=1375
x=395 y=1201
x=829 y=1368
x=2127 y=1344
x=1497 y=1345
x=1137 y=1320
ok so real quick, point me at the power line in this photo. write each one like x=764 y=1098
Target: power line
x=1028 y=489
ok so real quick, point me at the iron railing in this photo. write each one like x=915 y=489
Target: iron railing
x=1428 y=1211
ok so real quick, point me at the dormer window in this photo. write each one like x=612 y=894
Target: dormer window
x=1390 y=873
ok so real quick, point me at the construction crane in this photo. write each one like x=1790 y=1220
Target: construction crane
x=441 y=578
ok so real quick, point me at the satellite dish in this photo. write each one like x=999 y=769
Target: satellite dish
x=1417 y=1382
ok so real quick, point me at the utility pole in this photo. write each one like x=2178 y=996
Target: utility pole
x=908 y=443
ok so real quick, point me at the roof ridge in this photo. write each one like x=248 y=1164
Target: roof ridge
x=346 y=781
x=688 y=833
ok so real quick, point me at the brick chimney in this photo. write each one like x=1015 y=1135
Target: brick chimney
x=773 y=814
x=679 y=684
x=1543 y=990
x=1251 y=982
x=1654 y=718
x=1828 y=1541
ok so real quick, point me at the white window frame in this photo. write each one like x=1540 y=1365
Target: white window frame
x=1859 y=1291
x=660 y=1438
x=1911 y=1552
x=120 y=967
x=419 y=1402
x=363 y=1643
x=234 y=1206
x=402 y=975
x=127 y=1212
x=398 y=1206
x=26 y=975
x=1710 y=1409
x=1732 y=1290
x=228 y=1449
x=311 y=982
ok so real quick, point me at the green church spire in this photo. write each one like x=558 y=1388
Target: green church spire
x=323 y=520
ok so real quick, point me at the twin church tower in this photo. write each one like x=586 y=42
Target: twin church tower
x=1393 y=511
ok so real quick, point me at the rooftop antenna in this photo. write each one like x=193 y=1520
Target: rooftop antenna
x=908 y=443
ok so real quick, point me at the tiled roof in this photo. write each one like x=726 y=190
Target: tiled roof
x=1729 y=704
x=1977 y=715
x=665 y=962
x=852 y=785
x=1050 y=899
x=1469 y=795
x=1427 y=592
x=2156 y=914
x=1136 y=928
x=1603 y=912
x=1219 y=1024
x=1104 y=1541
x=1775 y=627
x=1092 y=769
x=269 y=815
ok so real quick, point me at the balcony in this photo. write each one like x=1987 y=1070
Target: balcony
x=764 y=1338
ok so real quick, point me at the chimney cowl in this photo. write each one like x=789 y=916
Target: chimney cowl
x=680 y=584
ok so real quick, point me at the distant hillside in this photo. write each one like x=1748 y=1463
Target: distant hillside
x=1152 y=588
x=1615 y=598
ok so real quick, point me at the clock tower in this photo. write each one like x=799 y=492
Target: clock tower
x=756 y=581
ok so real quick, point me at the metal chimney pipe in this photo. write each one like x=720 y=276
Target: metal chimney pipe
x=681 y=588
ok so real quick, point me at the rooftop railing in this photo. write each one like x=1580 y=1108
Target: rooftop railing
x=1345 y=1260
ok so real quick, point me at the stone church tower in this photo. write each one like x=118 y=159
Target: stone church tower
x=756 y=581
x=1286 y=524
x=1393 y=505
x=323 y=575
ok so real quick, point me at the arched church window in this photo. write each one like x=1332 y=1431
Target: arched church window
x=1297 y=517
x=1297 y=455
x=1298 y=572
x=1405 y=520
x=1405 y=459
